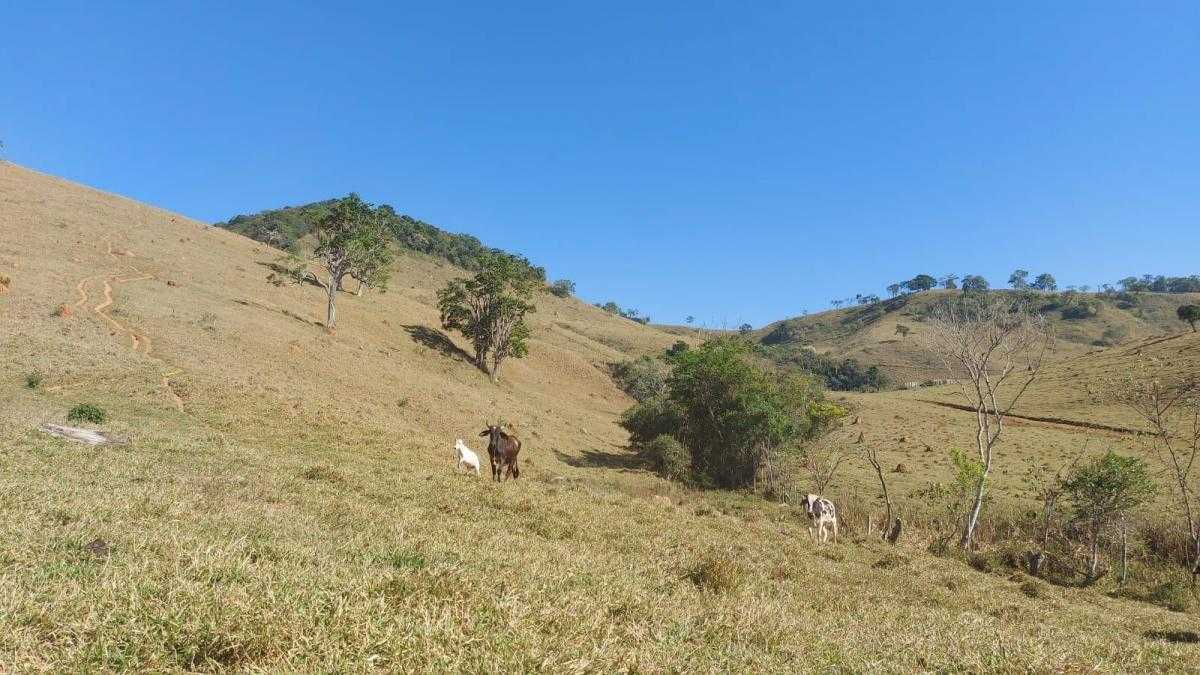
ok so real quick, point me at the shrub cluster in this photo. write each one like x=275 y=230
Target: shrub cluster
x=643 y=378
x=563 y=288
x=86 y=412
x=732 y=416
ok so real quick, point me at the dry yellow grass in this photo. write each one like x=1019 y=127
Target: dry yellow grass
x=849 y=333
x=286 y=498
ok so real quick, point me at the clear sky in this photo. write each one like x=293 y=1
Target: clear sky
x=738 y=161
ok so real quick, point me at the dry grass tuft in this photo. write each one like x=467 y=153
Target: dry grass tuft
x=718 y=573
x=890 y=561
x=1033 y=589
x=323 y=472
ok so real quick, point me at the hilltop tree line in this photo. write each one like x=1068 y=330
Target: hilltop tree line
x=285 y=228
x=1022 y=280
x=627 y=313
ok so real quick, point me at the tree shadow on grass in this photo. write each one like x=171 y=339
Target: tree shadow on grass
x=599 y=459
x=436 y=339
x=1177 y=636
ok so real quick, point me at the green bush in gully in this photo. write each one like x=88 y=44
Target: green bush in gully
x=732 y=415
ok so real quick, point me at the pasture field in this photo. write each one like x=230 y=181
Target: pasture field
x=284 y=499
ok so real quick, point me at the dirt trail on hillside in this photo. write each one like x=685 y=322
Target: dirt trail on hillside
x=139 y=342
x=1045 y=420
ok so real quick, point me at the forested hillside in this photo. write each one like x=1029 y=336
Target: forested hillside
x=285 y=227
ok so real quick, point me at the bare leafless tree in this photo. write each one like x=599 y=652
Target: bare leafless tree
x=822 y=458
x=1170 y=406
x=871 y=454
x=992 y=347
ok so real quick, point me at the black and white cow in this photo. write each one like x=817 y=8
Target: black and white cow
x=821 y=515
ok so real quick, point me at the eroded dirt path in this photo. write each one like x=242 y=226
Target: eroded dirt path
x=139 y=341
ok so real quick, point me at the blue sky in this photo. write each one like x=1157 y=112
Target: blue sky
x=733 y=161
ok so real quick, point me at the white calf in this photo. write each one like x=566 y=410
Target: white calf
x=821 y=514
x=466 y=457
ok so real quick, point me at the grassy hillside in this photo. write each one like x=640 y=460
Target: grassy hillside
x=868 y=333
x=285 y=500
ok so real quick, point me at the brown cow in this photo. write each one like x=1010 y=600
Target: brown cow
x=502 y=451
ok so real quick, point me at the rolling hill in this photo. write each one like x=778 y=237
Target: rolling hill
x=1083 y=322
x=284 y=499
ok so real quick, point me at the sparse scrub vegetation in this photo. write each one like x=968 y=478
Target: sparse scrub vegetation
x=33 y=380
x=626 y=313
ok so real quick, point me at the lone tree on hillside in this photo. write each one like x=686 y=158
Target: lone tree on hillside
x=1019 y=279
x=993 y=349
x=973 y=283
x=490 y=308
x=949 y=282
x=1102 y=492
x=1190 y=314
x=1045 y=282
x=351 y=241
x=893 y=289
x=562 y=288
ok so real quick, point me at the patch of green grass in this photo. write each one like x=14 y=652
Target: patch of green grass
x=403 y=559
x=86 y=412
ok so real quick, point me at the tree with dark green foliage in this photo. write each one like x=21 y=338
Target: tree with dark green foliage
x=1019 y=279
x=1103 y=491
x=1045 y=282
x=562 y=288
x=351 y=241
x=286 y=228
x=733 y=416
x=973 y=283
x=894 y=289
x=921 y=282
x=489 y=310
x=745 y=329
x=1190 y=314
x=949 y=282
x=674 y=350
x=844 y=375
